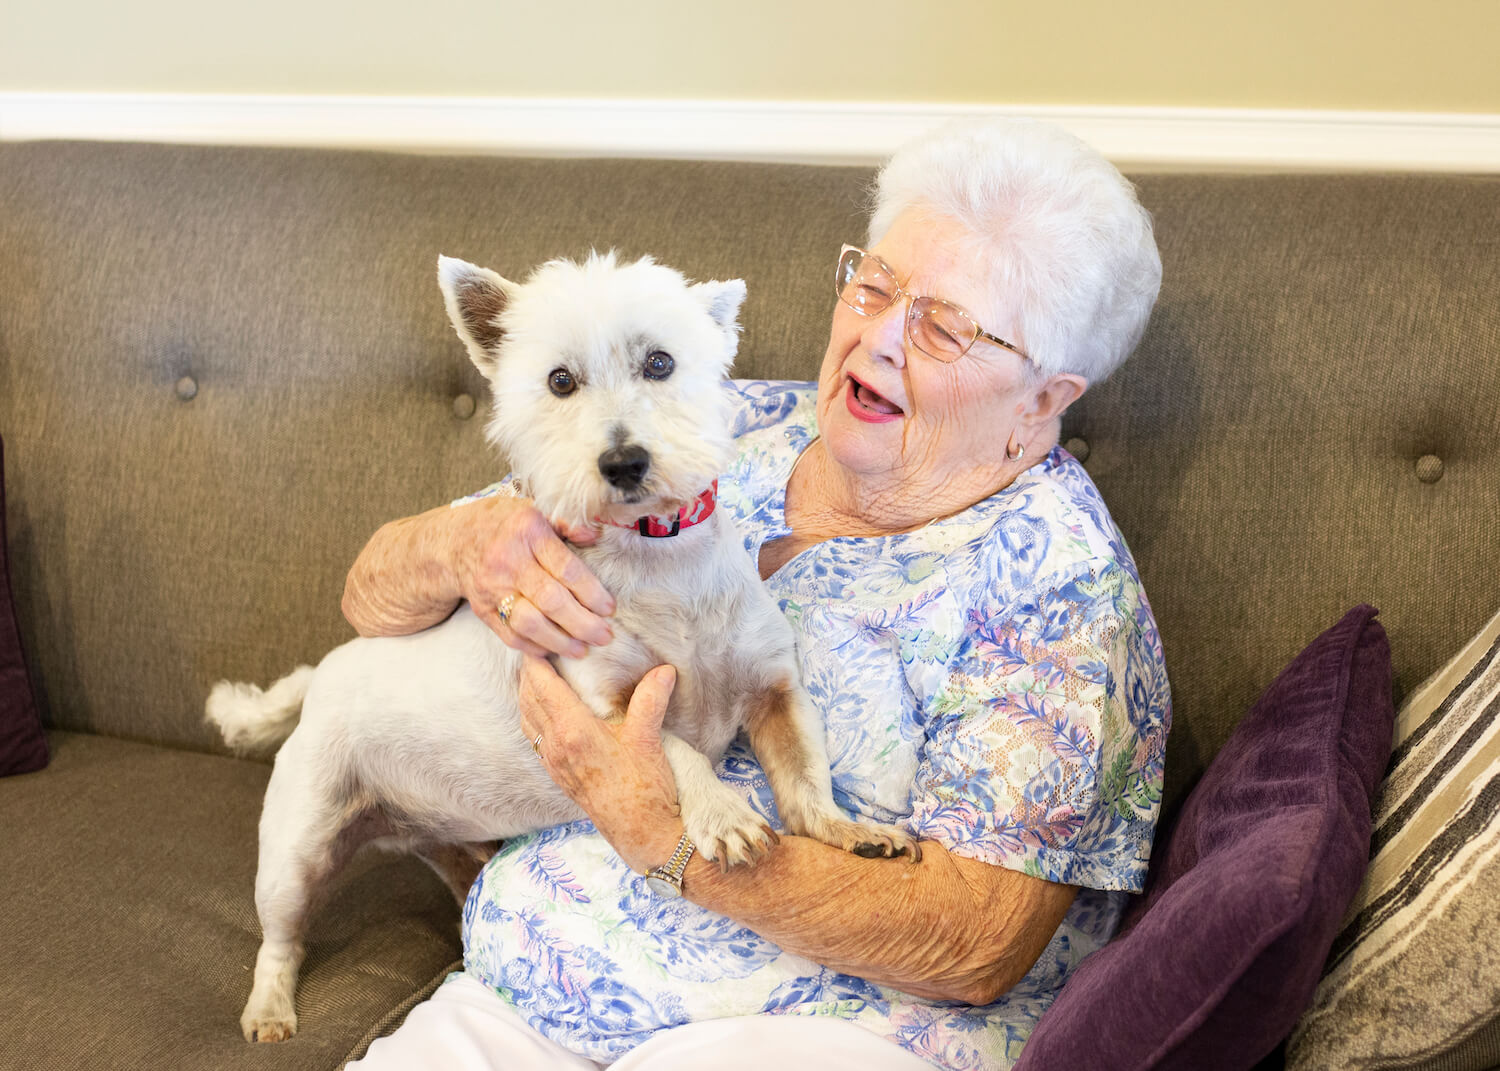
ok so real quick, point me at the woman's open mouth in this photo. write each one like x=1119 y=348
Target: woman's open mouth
x=868 y=405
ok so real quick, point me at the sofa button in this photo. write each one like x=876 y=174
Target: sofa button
x=1079 y=448
x=1429 y=468
x=463 y=406
x=187 y=388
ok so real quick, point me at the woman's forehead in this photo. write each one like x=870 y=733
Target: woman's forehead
x=936 y=257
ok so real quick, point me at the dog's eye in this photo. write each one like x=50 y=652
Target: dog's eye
x=562 y=382
x=658 y=365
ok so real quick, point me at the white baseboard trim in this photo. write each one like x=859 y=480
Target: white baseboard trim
x=793 y=131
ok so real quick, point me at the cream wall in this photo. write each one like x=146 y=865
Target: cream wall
x=1360 y=55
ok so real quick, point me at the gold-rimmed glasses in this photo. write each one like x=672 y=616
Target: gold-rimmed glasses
x=938 y=328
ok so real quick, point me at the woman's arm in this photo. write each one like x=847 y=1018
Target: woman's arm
x=414 y=572
x=947 y=928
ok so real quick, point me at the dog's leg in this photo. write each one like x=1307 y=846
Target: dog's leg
x=719 y=820
x=457 y=864
x=305 y=839
x=788 y=737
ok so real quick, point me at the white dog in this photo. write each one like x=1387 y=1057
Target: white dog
x=607 y=382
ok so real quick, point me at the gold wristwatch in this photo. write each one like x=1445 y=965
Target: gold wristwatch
x=666 y=880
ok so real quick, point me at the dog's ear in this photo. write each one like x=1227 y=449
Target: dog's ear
x=723 y=301
x=475 y=297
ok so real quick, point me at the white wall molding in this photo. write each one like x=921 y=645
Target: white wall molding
x=816 y=132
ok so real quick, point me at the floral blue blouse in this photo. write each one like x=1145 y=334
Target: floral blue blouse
x=993 y=681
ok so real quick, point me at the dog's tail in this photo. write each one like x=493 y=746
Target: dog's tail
x=255 y=721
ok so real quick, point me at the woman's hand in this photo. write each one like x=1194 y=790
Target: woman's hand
x=615 y=770
x=414 y=572
x=504 y=548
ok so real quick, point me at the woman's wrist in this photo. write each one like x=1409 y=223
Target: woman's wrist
x=446 y=550
x=459 y=539
x=396 y=585
x=649 y=844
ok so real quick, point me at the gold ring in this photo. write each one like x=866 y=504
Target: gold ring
x=536 y=745
x=504 y=608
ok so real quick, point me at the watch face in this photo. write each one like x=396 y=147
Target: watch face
x=661 y=886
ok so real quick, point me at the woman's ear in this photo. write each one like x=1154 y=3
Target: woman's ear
x=1053 y=397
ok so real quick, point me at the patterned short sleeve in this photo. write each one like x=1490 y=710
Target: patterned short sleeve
x=1045 y=752
x=757 y=404
x=508 y=487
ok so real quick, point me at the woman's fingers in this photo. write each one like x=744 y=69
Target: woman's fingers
x=530 y=625
x=554 y=602
x=567 y=594
x=546 y=613
x=540 y=689
x=580 y=535
x=553 y=555
x=648 y=706
x=500 y=626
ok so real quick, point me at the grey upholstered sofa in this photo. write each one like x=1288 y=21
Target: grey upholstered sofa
x=221 y=369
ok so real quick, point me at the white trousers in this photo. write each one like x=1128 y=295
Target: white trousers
x=465 y=1027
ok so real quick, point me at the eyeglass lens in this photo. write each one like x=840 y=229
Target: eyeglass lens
x=935 y=327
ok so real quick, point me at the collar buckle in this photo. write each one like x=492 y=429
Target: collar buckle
x=649 y=528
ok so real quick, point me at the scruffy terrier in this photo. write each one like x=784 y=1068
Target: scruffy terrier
x=607 y=383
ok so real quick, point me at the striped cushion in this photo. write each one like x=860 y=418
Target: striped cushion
x=1413 y=979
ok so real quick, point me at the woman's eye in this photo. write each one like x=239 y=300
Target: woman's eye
x=561 y=381
x=658 y=365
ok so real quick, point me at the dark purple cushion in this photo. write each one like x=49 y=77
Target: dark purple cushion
x=23 y=744
x=1217 y=959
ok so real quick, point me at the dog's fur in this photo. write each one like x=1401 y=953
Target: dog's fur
x=415 y=742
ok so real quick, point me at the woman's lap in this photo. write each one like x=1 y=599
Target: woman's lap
x=466 y=1027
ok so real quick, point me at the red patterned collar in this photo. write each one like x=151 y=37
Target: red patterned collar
x=696 y=512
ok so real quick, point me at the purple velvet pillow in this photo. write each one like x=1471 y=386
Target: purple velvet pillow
x=1217 y=959
x=23 y=744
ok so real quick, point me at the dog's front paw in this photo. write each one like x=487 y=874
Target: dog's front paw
x=866 y=839
x=727 y=830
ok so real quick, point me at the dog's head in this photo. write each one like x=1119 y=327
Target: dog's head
x=607 y=380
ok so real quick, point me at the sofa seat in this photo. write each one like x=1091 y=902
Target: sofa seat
x=127 y=874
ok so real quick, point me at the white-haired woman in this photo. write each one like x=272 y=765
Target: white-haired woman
x=969 y=621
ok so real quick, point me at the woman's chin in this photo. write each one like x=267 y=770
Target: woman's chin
x=861 y=448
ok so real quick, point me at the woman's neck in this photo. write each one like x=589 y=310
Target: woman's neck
x=825 y=500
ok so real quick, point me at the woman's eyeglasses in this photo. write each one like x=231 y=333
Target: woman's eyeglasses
x=938 y=328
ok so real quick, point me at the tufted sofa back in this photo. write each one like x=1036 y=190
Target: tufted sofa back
x=221 y=369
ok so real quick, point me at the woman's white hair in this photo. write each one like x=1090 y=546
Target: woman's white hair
x=1070 y=252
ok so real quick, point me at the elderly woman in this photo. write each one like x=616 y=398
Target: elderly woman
x=968 y=618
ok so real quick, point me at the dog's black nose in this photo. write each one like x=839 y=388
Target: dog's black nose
x=625 y=466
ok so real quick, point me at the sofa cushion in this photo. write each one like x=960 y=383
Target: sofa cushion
x=130 y=928
x=1413 y=980
x=23 y=743
x=1219 y=956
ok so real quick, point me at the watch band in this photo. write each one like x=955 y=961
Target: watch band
x=666 y=880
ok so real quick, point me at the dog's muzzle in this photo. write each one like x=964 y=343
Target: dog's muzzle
x=625 y=466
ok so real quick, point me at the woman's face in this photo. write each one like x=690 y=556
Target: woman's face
x=890 y=413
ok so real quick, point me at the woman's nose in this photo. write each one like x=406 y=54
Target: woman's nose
x=884 y=335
